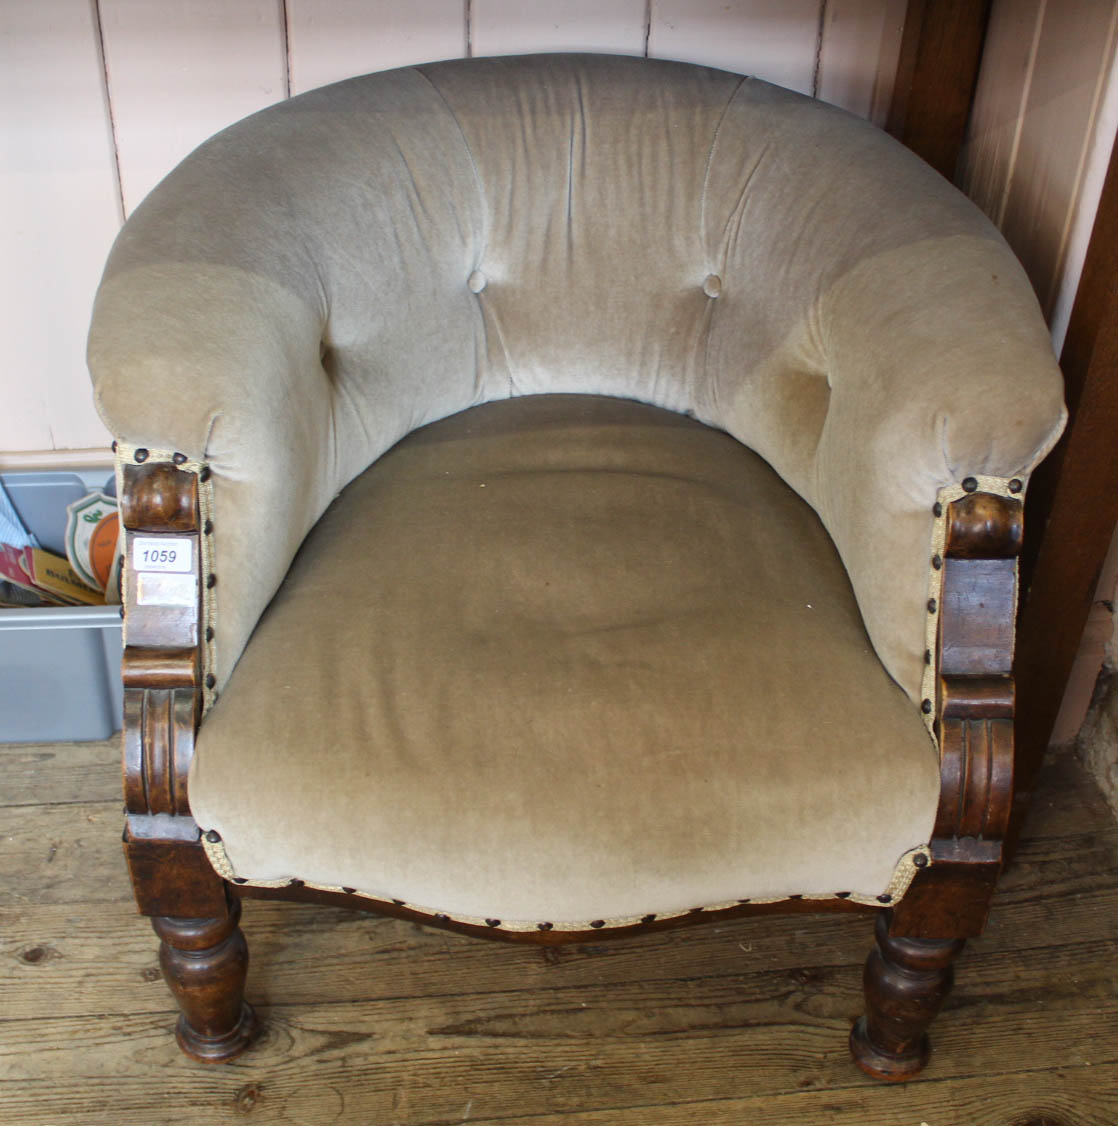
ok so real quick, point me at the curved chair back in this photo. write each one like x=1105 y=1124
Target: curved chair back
x=380 y=253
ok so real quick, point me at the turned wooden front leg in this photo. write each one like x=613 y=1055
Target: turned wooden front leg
x=205 y=962
x=906 y=982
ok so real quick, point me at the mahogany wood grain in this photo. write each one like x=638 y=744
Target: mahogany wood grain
x=205 y=964
x=951 y=897
x=173 y=878
x=1073 y=503
x=976 y=757
x=976 y=786
x=908 y=974
x=975 y=703
x=985 y=526
x=906 y=982
x=203 y=953
x=978 y=607
x=158 y=741
x=941 y=50
x=160 y=668
x=158 y=497
x=977 y=697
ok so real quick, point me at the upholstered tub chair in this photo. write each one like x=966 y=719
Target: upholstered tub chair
x=568 y=496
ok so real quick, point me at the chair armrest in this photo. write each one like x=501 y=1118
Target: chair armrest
x=229 y=364
x=924 y=395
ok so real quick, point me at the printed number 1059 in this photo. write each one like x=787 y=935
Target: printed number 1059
x=161 y=554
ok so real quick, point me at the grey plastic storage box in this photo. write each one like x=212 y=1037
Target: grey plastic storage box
x=59 y=665
x=59 y=673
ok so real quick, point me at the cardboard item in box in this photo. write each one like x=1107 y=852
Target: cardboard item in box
x=92 y=530
x=53 y=574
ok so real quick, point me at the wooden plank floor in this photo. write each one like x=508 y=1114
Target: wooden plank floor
x=379 y=1021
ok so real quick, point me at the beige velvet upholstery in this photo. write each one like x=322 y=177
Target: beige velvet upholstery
x=564 y=659
x=551 y=659
x=325 y=276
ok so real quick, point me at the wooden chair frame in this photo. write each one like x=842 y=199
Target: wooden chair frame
x=908 y=974
x=909 y=971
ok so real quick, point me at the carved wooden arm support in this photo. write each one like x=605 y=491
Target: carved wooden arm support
x=162 y=673
x=974 y=718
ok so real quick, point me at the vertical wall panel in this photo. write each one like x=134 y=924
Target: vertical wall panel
x=329 y=40
x=1083 y=219
x=180 y=70
x=1072 y=61
x=858 y=55
x=506 y=27
x=60 y=206
x=771 y=39
x=1034 y=130
x=986 y=163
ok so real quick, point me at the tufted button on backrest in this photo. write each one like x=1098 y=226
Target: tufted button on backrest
x=663 y=232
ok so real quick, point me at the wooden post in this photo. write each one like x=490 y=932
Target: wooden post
x=908 y=974
x=203 y=952
x=1073 y=504
x=941 y=50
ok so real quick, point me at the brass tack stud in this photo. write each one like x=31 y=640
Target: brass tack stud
x=207 y=527
x=695 y=911
x=746 y=900
x=295 y=883
x=969 y=484
x=920 y=860
x=544 y=926
x=597 y=924
x=240 y=880
x=398 y=902
x=931 y=605
x=209 y=633
x=648 y=919
x=350 y=891
x=927 y=656
x=114 y=445
x=211 y=680
x=842 y=895
x=442 y=917
x=937 y=509
x=213 y=836
x=205 y=474
x=886 y=898
x=797 y=896
x=492 y=922
x=141 y=455
x=937 y=561
x=1015 y=485
x=211 y=581
x=178 y=459
x=926 y=707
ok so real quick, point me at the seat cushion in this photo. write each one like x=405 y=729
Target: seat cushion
x=566 y=659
